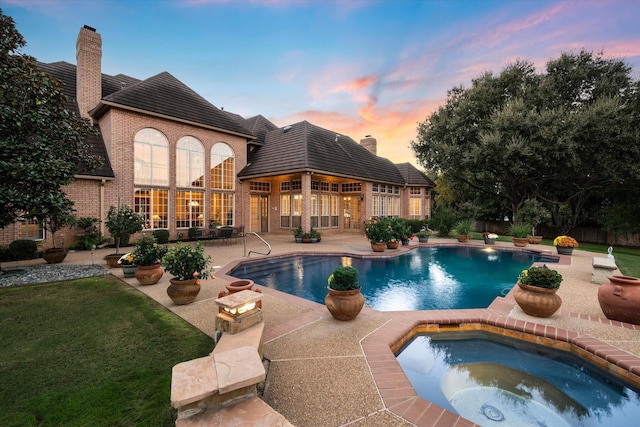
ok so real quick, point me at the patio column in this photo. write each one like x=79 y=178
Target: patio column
x=306 y=202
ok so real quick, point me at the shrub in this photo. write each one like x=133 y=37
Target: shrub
x=378 y=230
x=23 y=249
x=463 y=227
x=542 y=277
x=161 y=236
x=520 y=231
x=147 y=251
x=185 y=262
x=5 y=254
x=194 y=233
x=91 y=236
x=121 y=222
x=442 y=220
x=344 y=279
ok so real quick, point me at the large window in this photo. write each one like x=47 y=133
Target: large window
x=221 y=209
x=151 y=158
x=285 y=210
x=189 y=209
x=189 y=163
x=153 y=205
x=415 y=207
x=222 y=167
x=32 y=229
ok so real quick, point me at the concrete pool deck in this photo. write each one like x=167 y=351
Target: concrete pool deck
x=323 y=372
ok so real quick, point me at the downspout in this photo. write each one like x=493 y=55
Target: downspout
x=101 y=206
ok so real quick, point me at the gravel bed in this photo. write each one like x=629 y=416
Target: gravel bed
x=32 y=274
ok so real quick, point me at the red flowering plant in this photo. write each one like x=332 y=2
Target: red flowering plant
x=378 y=230
x=533 y=213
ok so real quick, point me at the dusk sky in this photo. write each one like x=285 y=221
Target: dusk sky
x=356 y=67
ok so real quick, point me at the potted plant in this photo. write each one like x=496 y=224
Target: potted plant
x=315 y=235
x=519 y=233
x=565 y=244
x=297 y=234
x=619 y=299
x=122 y=221
x=306 y=237
x=536 y=292
x=378 y=232
x=489 y=238
x=344 y=300
x=187 y=264
x=423 y=236
x=533 y=213
x=128 y=267
x=462 y=230
x=147 y=256
x=58 y=216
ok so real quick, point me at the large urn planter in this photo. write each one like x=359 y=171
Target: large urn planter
x=183 y=292
x=537 y=301
x=463 y=238
x=393 y=244
x=344 y=305
x=620 y=299
x=534 y=240
x=564 y=250
x=54 y=255
x=149 y=274
x=520 y=242
x=378 y=246
x=239 y=286
x=112 y=260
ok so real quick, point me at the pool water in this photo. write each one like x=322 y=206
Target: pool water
x=422 y=279
x=494 y=380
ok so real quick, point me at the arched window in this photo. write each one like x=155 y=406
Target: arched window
x=189 y=163
x=151 y=157
x=151 y=177
x=222 y=167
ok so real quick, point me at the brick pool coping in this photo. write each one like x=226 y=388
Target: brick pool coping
x=379 y=347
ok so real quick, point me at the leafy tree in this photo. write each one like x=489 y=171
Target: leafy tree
x=41 y=143
x=566 y=137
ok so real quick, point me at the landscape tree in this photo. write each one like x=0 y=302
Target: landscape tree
x=41 y=143
x=565 y=137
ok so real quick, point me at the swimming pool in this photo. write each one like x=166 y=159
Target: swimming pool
x=495 y=380
x=423 y=279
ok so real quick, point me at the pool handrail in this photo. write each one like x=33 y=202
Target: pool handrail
x=244 y=242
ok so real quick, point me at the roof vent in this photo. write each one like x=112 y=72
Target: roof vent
x=123 y=85
x=286 y=129
x=86 y=27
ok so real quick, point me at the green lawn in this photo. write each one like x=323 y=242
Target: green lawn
x=627 y=259
x=90 y=352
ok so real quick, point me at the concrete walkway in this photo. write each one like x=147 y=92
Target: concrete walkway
x=323 y=372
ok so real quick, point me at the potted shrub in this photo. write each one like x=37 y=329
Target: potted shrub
x=489 y=238
x=423 y=236
x=344 y=300
x=519 y=233
x=536 y=292
x=57 y=217
x=378 y=233
x=122 y=222
x=314 y=235
x=128 y=267
x=565 y=244
x=297 y=234
x=187 y=264
x=306 y=237
x=462 y=230
x=533 y=213
x=147 y=256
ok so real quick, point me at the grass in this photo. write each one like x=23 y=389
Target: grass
x=627 y=259
x=90 y=352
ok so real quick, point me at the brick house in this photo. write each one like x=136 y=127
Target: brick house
x=182 y=162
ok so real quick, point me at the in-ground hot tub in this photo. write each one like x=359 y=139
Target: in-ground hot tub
x=494 y=379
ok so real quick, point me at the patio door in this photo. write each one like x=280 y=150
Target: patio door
x=260 y=214
x=351 y=213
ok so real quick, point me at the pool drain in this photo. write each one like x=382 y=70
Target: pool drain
x=492 y=412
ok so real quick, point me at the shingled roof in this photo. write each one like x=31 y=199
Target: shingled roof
x=167 y=96
x=66 y=73
x=413 y=176
x=304 y=147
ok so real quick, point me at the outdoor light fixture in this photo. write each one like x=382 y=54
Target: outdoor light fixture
x=238 y=311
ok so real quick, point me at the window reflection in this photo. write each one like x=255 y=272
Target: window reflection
x=189 y=163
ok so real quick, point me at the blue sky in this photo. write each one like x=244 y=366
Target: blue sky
x=356 y=67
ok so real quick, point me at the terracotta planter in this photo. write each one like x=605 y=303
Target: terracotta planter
x=112 y=260
x=378 y=247
x=520 y=242
x=538 y=302
x=393 y=245
x=149 y=274
x=564 y=250
x=344 y=305
x=183 y=292
x=54 y=255
x=534 y=240
x=129 y=270
x=463 y=238
x=239 y=285
x=620 y=299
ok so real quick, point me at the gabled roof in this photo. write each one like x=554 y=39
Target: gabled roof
x=304 y=147
x=166 y=96
x=259 y=126
x=66 y=73
x=413 y=176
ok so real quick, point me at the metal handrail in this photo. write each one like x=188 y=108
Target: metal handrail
x=244 y=242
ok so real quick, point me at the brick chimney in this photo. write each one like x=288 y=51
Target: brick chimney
x=88 y=69
x=371 y=144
